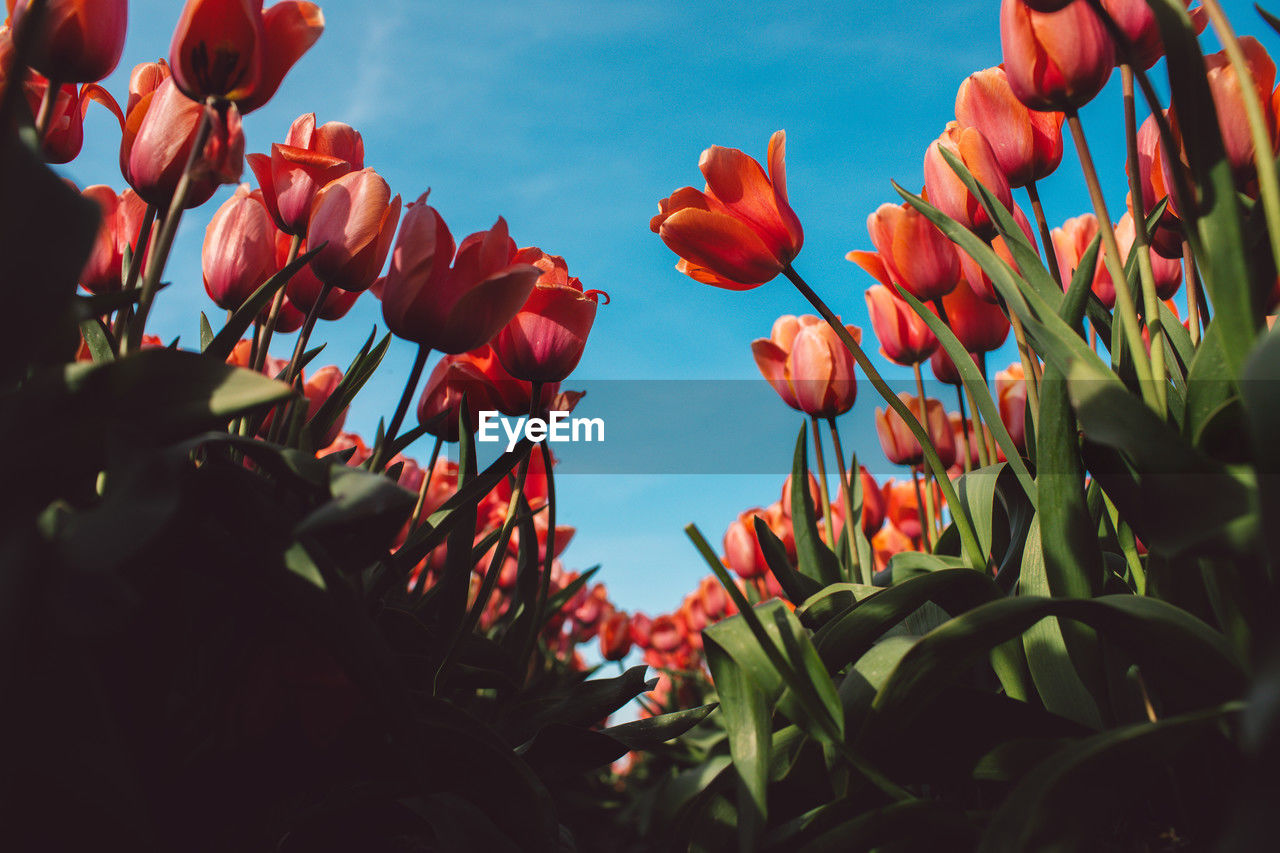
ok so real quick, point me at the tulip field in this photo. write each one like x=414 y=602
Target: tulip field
x=232 y=620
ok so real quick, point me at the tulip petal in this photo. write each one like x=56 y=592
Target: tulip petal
x=772 y=361
x=720 y=243
x=289 y=29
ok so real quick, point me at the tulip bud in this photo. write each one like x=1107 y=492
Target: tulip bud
x=948 y=192
x=544 y=341
x=1167 y=239
x=1027 y=144
x=356 y=217
x=480 y=377
x=1070 y=242
x=742 y=552
x=615 y=636
x=899 y=442
x=81 y=40
x=912 y=253
x=904 y=337
x=808 y=365
x=1055 y=60
x=304 y=289
x=1011 y=397
x=980 y=326
x=1166 y=271
x=454 y=308
x=239 y=249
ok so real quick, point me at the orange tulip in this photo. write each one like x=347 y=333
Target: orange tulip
x=740 y=232
x=976 y=277
x=1011 y=397
x=742 y=551
x=1167 y=271
x=318 y=389
x=1027 y=144
x=82 y=39
x=310 y=158
x=1055 y=60
x=1228 y=99
x=899 y=443
x=453 y=304
x=910 y=252
x=873 y=507
x=806 y=363
x=1152 y=166
x=889 y=541
x=980 y=326
x=239 y=249
x=304 y=289
x=355 y=216
x=1069 y=244
x=904 y=337
x=948 y=192
x=544 y=341
x=902 y=507
x=166 y=130
x=1136 y=20
x=231 y=50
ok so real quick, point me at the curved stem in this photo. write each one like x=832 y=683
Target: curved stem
x=965 y=428
x=145 y=234
x=1150 y=301
x=924 y=423
x=426 y=484
x=544 y=582
x=1046 y=237
x=964 y=524
x=276 y=304
x=158 y=255
x=1189 y=281
x=822 y=482
x=299 y=348
x=1115 y=265
x=925 y=529
x=406 y=396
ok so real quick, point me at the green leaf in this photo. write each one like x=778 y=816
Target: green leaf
x=816 y=559
x=98 y=340
x=745 y=709
x=239 y=322
x=651 y=731
x=797 y=586
x=358 y=373
x=206 y=333
x=909 y=564
x=1260 y=387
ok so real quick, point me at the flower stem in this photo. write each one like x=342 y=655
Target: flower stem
x=426 y=484
x=924 y=424
x=1046 y=237
x=964 y=524
x=1150 y=301
x=926 y=530
x=1190 y=281
x=145 y=233
x=965 y=427
x=544 y=582
x=158 y=255
x=846 y=483
x=825 y=495
x=276 y=304
x=1115 y=266
x=406 y=396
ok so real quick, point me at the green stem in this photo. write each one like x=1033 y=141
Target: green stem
x=1115 y=266
x=158 y=256
x=544 y=582
x=1193 y=291
x=927 y=506
x=964 y=525
x=145 y=233
x=822 y=482
x=851 y=523
x=1150 y=301
x=426 y=484
x=276 y=305
x=1046 y=237
x=402 y=408
x=965 y=426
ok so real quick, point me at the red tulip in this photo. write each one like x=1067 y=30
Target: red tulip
x=902 y=507
x=318 y=389
x=239 y=249
x=899 y=443
x=487 y=386
x=121 y=219
x=873 y=506
x=1136 y=20
x=944 y=369
x=355 y=216
x=65 y=134
x=784 y=502
x=544 y=341
x=1055 y=60
x=948 y=192
x=295 y=171
x=910 y=252
x=807 y=364
x=980 y=326
x=1069 y=244
x=904 y=337
x=740 y=232
x=166 y=130
x=615 y=636
x=455 y=308
x=1011 y=397
x=228 y=49
x=1167 y=271
x=976 y=277
x=742 y=552
x=1027 y=144
x=82 y=39
x=1167 y=239
x=1228 y=99
x=346 y=441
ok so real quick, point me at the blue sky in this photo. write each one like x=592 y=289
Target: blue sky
x=571 y=119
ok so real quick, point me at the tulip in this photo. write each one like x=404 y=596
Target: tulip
x=166 y=132
x=740 y=232
x=348 y=441
x=121 y=219
x=64 y=136
x=304 y=289
x=239 y=249
x=808 y=366
x=355 y=216
x=910 y=253
x=1011 y=397
x=1055 y=60
x=1069 y=244
x=81 y=40
x=1027 y=144
x=966 y=437
x=889 y=541
x=979 y=325
x=902 y=507
x=742 y=551
x=487 y=386
x=1167 y=239
x=455 y=308
x=615 y=636
x=1138 y=23
x=944 y=369
x=294 y=172
x=873 y=507
x=231 y=50
x=784 y=502
x=948 y=192
x=1167 y=271
x=976 y=277
x=144 y=80
x=544 y=341
x=899 y=443
x=904 y=337
x=1228 y=99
